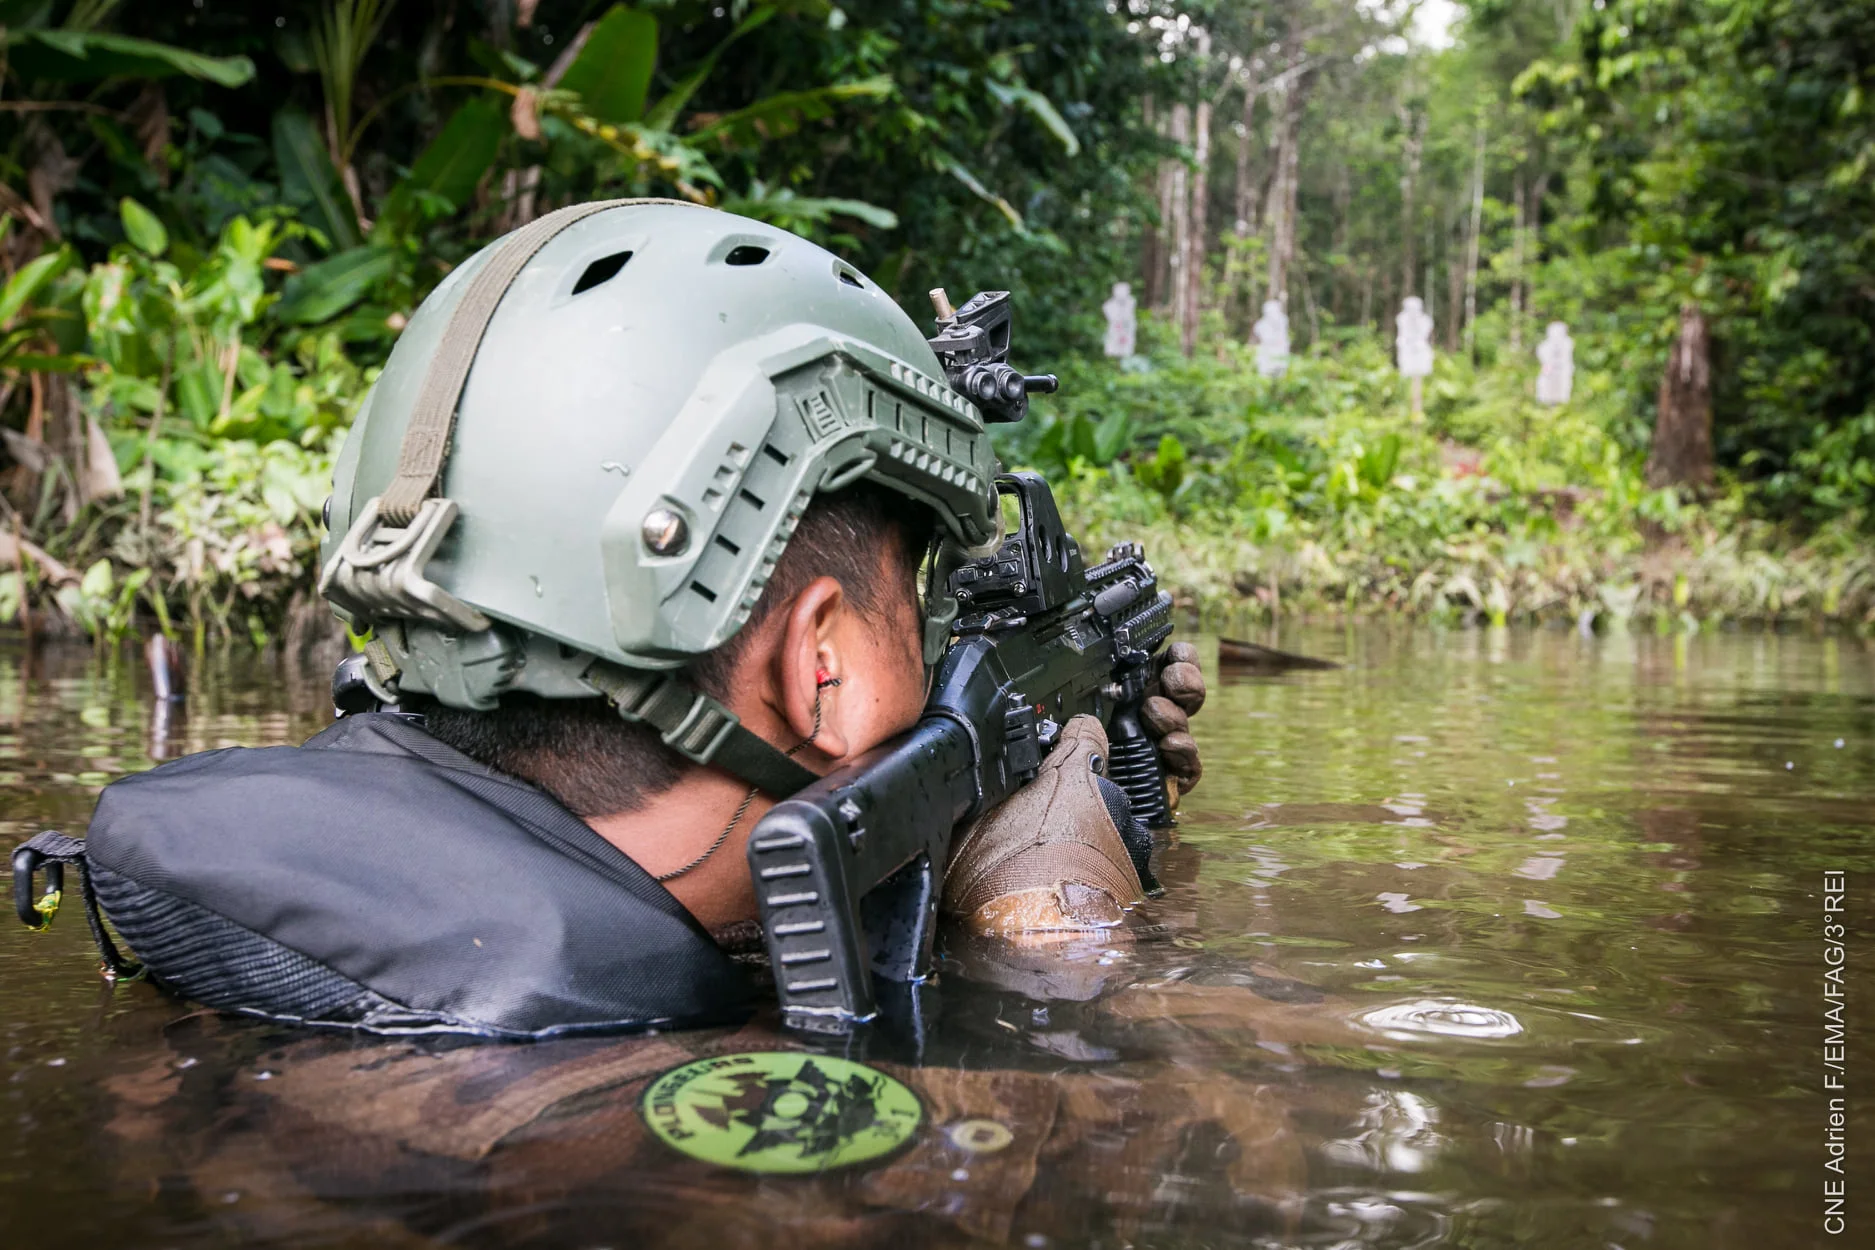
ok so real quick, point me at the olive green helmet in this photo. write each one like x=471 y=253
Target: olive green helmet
x=595 y=438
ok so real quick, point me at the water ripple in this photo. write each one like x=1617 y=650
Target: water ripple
x=1431 y=1017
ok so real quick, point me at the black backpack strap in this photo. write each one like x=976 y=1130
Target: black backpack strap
x=52 y=851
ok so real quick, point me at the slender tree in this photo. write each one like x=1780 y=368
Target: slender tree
x=1477 y=231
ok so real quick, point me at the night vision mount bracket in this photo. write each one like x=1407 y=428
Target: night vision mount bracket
x=972 y=344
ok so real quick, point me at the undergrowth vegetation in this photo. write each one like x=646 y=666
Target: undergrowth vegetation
x=216 y=220
x=1317 y=493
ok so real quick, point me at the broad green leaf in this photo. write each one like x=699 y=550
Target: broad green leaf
x=68 y=42
x=242 y=409
x=451 y=165
x=321 y=292
x=1042 y=108
x=309 y=180
x=28 y=363
x=198 y=393
x=871 y=214
x=1111 y=437
x=1377 y=463
x=789 y=211
x=612 y=72
x=663 y=114
x=142 y=228
x=71 y=56
x=97 y=580
x=25 y=284
x=783 y=112
x=970 y=180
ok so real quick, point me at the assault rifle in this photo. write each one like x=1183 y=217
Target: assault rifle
x=849 y=871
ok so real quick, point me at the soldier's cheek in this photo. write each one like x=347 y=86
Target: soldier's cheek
x=893 y=694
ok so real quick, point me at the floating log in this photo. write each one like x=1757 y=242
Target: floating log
x=1235 y=654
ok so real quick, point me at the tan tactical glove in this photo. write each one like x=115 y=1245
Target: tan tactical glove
x=1171 y=701
x=1051 y=858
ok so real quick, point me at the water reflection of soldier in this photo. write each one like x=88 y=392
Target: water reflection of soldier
x=396 y=1143
x=635 y=515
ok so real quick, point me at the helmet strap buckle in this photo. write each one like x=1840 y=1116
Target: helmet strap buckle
x=378 y=570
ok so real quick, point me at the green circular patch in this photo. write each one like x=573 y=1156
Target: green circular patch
x=779 y=1111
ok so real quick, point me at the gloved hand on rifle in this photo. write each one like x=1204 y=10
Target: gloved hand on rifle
x=1052 y=858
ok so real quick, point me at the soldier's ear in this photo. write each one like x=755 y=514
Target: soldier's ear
x=810 y=667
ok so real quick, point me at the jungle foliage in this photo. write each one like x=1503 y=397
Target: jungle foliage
x=220 y=220
x=215 y=219
x=1608 y=163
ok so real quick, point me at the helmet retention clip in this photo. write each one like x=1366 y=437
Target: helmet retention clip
x=378 y=570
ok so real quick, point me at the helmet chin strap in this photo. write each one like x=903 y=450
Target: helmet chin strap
x=940 y=606
x=700 y=728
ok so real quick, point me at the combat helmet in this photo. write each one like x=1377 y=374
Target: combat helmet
x=592 y=443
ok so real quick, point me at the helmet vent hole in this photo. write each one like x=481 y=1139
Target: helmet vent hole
x=747 y=254
x=776 y=454
x=709 y=596
x=847 y=277
x=602 y=270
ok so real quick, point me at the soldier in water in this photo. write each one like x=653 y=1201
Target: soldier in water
x=635 y=566
x=604 y=449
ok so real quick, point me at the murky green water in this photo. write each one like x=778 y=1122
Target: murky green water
x=1485 y=939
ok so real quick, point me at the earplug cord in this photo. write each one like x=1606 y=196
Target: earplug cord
x=822 y=680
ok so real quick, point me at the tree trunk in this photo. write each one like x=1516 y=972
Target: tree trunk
x=1180 y=212
x=1471 y=255
x=1281 y=212
x=1196 y=229
x=1516 y=268
x=1426 y=279
x=1412 y=138
x=1152 y=258
x=1245 y=202
x=1344 y=197
x=1682 y=451
x=1292 y=184
x=1308 y=302
x=1274 y=199
x=1533 y=256
x=1149 y=237
x=1454 y=281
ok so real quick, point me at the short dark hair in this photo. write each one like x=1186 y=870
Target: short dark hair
x=868 y=537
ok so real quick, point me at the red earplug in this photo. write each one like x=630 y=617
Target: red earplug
x=823 y=678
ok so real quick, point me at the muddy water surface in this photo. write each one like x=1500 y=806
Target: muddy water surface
x=1481 y=940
